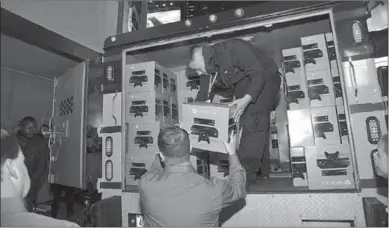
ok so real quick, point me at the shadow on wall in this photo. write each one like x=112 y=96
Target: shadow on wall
x=230 y=211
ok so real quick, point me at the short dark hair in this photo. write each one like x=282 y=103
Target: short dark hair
x=28 y=119
x=174 y=141
x=9 y=147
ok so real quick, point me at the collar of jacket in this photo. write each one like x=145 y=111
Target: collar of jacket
x=12 y=205
x=183 y=168
x=209 y=59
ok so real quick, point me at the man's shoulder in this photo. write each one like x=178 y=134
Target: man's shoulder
x=33 y=220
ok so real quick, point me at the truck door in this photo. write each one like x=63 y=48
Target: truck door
x=67 y=156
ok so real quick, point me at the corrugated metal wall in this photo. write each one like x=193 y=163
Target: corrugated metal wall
x=86 y=22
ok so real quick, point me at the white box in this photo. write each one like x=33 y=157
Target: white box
x=332 y=54
x=299 y=168
x=300 y=128
x=293 y=62
x=315 y=52
x=167 y=111
x=136 y=167
x=143 y=138
x=208 y=125
x=189 y=84
x=342 y=121
x=320 y=88
x=174 y=111
x=166 y=90
x=144 y=77
x=325 y=125
x=297 y=93
x=112 y=109
x=173 y=85
x=148 y=107
x=329 y=167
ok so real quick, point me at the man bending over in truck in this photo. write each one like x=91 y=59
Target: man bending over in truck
x=256 y=81
x=36 y=151
x=15 y=184
x=177 y=195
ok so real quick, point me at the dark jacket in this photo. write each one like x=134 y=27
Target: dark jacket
x=236 y=60
x=36 y=152
x=14 y=214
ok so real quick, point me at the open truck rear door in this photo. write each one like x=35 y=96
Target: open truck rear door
x=68 y=134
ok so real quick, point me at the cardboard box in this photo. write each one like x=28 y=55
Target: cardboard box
x=173 y=85
x=166 y=90
x=332 y=54
x=329 y=167
x=338 y=91
x=325 y=125
x=144 y=77
x=293 y=62
x=299 y=168
x=143 y=138
x=174 y=111
x=300 y=128
x=315 y=52
x=342 y=124
x=208 y=125
x=192 y=84
x=200 y=161
x=112 y=109
x=297 y=97
x=147 y=107
x=320 y=88
x=136 y=167
x=219 y=165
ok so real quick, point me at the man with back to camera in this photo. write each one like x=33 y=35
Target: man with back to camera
x=255 y=79
x=36 y=151
x=15 y=184
x=177 y=195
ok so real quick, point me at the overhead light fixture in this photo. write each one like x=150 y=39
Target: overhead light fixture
x=212 y=18
x=239 y=12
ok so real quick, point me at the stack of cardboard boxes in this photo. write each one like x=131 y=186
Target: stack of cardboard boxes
x=151 y=104
x=320 y=154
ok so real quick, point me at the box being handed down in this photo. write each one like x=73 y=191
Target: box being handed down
x=208 y=124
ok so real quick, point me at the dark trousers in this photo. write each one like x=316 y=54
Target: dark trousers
x=254 y=151
x=57 y=191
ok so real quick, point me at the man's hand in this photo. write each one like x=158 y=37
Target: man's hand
x=230 y=147
x=240 y=106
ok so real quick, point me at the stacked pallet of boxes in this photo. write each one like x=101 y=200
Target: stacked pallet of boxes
x=320 y=154
x=207 y=124
x=151 y=104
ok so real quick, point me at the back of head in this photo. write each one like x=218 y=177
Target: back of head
x=173 y=142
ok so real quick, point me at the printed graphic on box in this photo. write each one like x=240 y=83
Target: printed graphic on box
x=300 y=128
x=143 y=138
x=332 y=55
x=329 y=167
x=315 y=52
x=147 y=106
x=136 y=167
x=208 y=125
x=325 y=125
x=174 y=111
x=144 y=77
x=320 y=88
x=299 y=168
x=293 y=62
x=297 y=96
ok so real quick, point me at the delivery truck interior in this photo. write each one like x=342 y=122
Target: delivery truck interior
x=329 y=117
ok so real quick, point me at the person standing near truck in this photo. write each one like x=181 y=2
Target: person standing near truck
x=36 y=151
x=255 y=78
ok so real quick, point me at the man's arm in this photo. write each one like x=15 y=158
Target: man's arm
x=203 y=95
x=234 y=188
